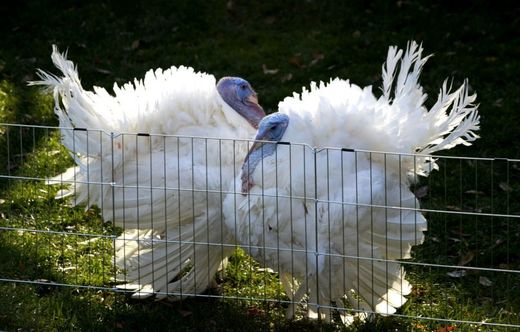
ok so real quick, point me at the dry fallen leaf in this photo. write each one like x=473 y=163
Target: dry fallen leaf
x=103 y=71
x=254 y=311
x=296 y=61
x=286 y=78
x=466 y=258
x=184 y=313
x=475 y=192
x=446 y=328
x=270 y=19
x=460 y=232
x=505 y=187
x=498 y=102
x=457 y=273
x=317 y=57
x=135 y=44
x=453 y=208
x=504 y=266
x=268 y=71
x=484 y=281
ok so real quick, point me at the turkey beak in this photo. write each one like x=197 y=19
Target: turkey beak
x=249 y=165
x=262 y=136
x=256 y=145
x=253 y=99
x=257 y=111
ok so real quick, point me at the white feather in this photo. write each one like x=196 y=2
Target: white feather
x=335 y=222
x=156 y=186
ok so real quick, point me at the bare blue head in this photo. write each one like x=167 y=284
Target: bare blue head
x=271 y=129
x=238 y=93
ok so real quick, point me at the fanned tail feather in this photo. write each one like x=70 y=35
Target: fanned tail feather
x=456 y=127
x=72 y=105
x=76 y=111
x=388 y=70
x=407 y=85
x=453 y=120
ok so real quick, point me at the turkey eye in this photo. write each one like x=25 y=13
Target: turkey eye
x=243 y=87
x=275 y=127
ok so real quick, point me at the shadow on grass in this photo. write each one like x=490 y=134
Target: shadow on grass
x=23 y=305
x=472 y=242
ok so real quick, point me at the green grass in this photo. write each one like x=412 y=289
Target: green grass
x=113 y=41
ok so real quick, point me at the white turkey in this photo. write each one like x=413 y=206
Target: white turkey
x=164 y=191
x=334 y=221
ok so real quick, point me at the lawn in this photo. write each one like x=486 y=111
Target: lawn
x=278 y=47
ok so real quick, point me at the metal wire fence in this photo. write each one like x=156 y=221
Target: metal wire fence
x=158 y=216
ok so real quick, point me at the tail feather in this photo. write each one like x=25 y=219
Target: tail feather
x=377 y=286
x=388 y=70
x=407 y=85
x=67 y=67
x=459 y=124
x=382 y=285
x=176 y=263
x=69 y=93
x=77 y=110
x=453 y=119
